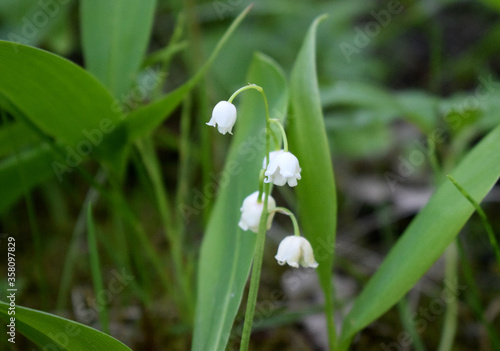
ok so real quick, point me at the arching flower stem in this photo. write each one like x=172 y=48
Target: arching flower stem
x=286 y=211
x=268 y=118
x=268 y=126
x=242 y=89
x=283 y=134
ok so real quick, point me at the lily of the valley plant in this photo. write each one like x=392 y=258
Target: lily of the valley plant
x=279 y=167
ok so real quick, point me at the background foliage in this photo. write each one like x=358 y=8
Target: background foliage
x=407 y=89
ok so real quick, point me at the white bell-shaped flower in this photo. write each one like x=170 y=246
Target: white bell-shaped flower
x=283 y=168
x=224 y=116
x=296 y=250
x=251 y=211
x=272 y=155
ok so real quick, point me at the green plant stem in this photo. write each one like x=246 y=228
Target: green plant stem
x=261 y=185
x=405 y=311
x=472 y=296
x=117 y=202
x=95 y=268
x=120 y=256
x=450 y=318
x=283 y=134
x=268 y=128
x=242 y=89
x=121 y=242
x=484 y=219
x=286 y=211
x=431 y=153
x=276 y=140
x=171 y=233
x=404 y=308
x=261 y=235
x=71 y=256
x=165 y=55
x=255 y=279
x=268 y=133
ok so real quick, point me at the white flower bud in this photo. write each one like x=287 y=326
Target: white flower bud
x=283 y=167
x=224 y=115
x=296 y=250
x=251 y=211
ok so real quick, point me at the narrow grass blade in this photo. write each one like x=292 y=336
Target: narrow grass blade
x=429 y=234
x=316 y=192
x=95 y=269
x=484 y=219
x=72 y=251
x=184 y=294
x=405 y=311
x=473 y=298
x=451 y=315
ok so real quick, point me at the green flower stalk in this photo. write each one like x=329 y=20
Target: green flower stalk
x=279 y=167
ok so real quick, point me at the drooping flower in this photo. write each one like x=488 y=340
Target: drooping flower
x=224 y=116
x=251 y=211
x=283 y=168
x=272 y=155
x=296 y=250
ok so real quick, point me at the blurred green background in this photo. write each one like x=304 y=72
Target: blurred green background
x=391 y=73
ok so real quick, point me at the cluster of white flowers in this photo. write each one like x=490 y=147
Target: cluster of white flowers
x=283 y=168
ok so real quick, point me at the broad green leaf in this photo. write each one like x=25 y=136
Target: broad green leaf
x=316 y=192
x=64 y=101
x=68 y=103
x=227 y=251
x=52 y=332
x=428 y=235
x=115 y=35
x=144 y=120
